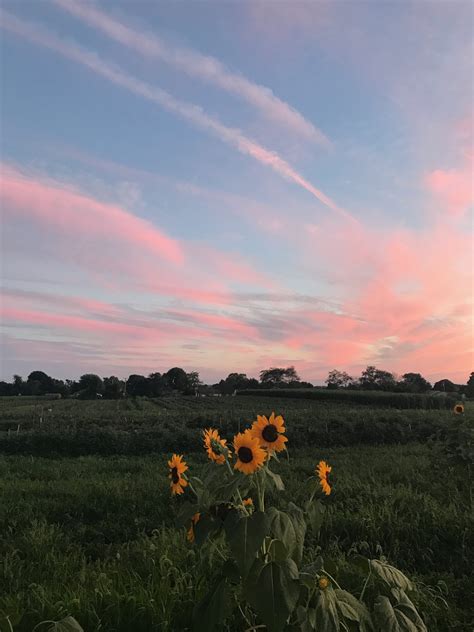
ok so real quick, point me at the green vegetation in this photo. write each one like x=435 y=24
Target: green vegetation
x=94 y=537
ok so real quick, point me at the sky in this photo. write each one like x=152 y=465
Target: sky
x=232 y=186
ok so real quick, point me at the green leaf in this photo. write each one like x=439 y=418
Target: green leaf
x=277 y=480
x=390 y=575
x=297 y=517
x=203 y=528
x=349 y=607
x=405 y=605
x=315 y=511
x=277 y=595
x=282 y=528
x=277 y=551
x=213 y=609
x=327 y=618
x=69 y=624
x=392 y=619
x=315 y=567
x=245 y=536
x=361 y=562
x=306 y=618
x=231 y=571
x=185 y=513
x=226 y=490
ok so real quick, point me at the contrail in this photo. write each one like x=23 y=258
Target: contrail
x=193 y=113
x=194 y=64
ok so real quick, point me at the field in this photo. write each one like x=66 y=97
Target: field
x=87 y=520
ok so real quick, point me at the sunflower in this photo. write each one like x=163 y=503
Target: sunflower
x=323 y=583
x=322 y=471
x=177 y=467
x=269 y=432
x=190 y=534
x=214 y=445
x=458 y=409
x=250 y=456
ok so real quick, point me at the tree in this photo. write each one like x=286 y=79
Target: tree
x=113 y=387
x=338 y=379
x=414 y=383
x=469 y=390
x=276 y=376
x=91 y=385
x=137 y=386
x=193 y=381
x=176 y=379
x=7 y=389
x=375 y=379
x=18 y=386
x=156 y=385
x=236 y=382
x=39 y=383
x=446 y=386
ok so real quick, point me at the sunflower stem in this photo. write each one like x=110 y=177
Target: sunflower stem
x=365 y=584
x=191 y=487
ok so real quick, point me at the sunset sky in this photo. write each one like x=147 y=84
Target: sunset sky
x=232 y=186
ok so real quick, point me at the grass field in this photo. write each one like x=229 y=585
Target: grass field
x=93 y=536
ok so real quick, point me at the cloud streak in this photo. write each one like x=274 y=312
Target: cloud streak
x=194 y=64
x=67 y=208
x=188 y=111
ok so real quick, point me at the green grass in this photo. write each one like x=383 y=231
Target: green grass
x=94 y=537
x=86 y=518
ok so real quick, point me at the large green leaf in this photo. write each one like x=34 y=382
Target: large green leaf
x=390 y=575
x=276 y=480
x=315 y=511
x=213 y=609
x=349 y=607
x=277 y=594
x=69 y=624
x=299 y=524
x=390 y=619
x=245 y=536
x=277 y=551
x=185 y=513
x=327 y=617
x=282 y=528
x=405 y=605
x=204 y=527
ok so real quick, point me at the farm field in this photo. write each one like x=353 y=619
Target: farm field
x=88 y=521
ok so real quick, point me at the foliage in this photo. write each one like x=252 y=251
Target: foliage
x=414 y=383
x=279 y=376
x=338 y=379
x=446 y=386
x=140 y=425
x=79 y=536
x=370 y=398
x=234 y=382
x=376 y=379
x=262 y=546
x=470 y=386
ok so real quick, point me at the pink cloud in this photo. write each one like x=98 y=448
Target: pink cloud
x=453 y=187
x=64 y=207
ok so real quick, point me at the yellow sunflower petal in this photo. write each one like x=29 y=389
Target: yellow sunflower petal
x=249 y=455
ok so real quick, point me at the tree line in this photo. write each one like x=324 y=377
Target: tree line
x=177 y=380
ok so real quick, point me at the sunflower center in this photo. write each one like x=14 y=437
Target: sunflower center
x=270 y=433
x=245 y=454
x=175 y=475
